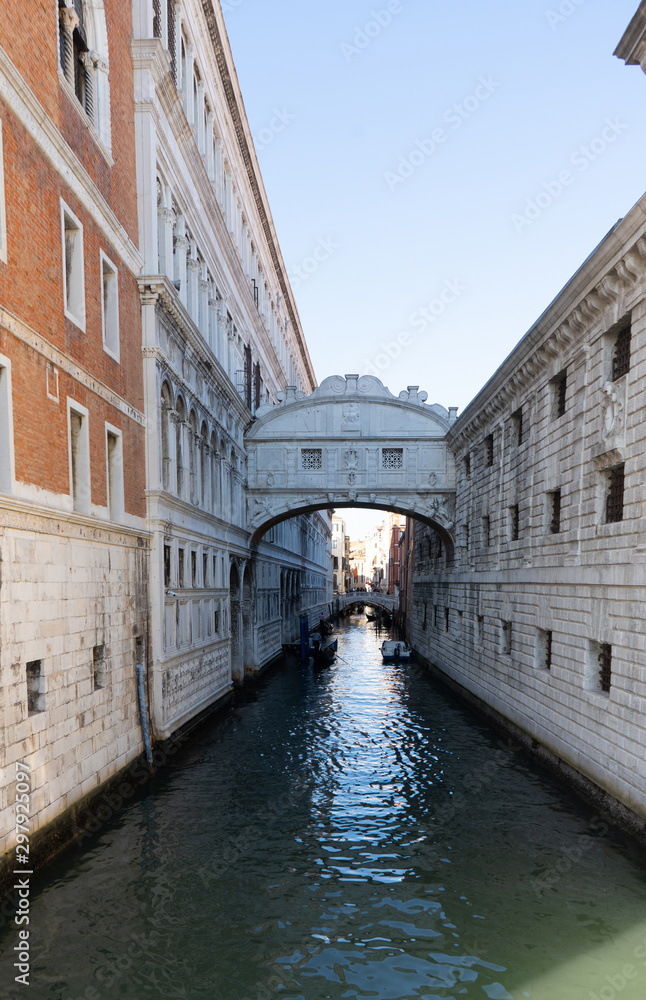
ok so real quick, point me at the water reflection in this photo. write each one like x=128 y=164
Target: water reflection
x=351 y=833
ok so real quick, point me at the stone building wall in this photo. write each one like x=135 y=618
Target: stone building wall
x=540 y=614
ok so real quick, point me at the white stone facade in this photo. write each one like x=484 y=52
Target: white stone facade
x=222 y=338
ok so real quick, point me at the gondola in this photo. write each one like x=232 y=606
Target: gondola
x=324 y=656
x=371 y=618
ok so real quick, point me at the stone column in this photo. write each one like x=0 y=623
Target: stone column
x=182 y=244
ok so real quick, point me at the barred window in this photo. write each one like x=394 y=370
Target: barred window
x=505 y=638
x=35 y=687
x=517 y=419
x=559 y=394
x=605 y=666
x=467 y=464
x=543 y=650
x=514 y=523
x=615 y=495
x=555 y=512
x=488 y=450
x=486 y=530
x=311 y=459
x=447 y=619
x=621 y=355
x=392 y=458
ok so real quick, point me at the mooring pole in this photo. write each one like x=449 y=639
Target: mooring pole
x=305 y=637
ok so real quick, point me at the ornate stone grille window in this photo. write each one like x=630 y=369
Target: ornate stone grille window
x=392 y=459
x=311 y=459
x=615 y=495
x=621 y=355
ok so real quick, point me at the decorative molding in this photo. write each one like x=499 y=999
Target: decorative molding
x=64 y=363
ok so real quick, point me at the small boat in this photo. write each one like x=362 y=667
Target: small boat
x=395 y=651
x=324 y=656
x=371 y=618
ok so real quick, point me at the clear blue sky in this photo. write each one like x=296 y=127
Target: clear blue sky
x=352 y=109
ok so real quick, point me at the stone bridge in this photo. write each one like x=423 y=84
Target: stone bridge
x=351 y=443
x=374 y=600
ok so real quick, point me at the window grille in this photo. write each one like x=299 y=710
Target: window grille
x=435 y=616
x=547 y=662
x=466 y=537
x=467 y=464
x=447 y=619
x=167 y=565
x=605 y=666
x=392 y=458
x=517 y=418
x=621 y=356
x=555 y=520
x=486 y=530
x=35 y=687
x=615 y=498
x=488 y=450
x=560 y=393
x=506 y=638
x=99 y=667
x=311 y=459
x=172 y=46
x=514 y=523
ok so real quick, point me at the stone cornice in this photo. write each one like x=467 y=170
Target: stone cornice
x=245 y=143
x=24 y=105
x=15 y=512
x=631 y=48
x=608 y=275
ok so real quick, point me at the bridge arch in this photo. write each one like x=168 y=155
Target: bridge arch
x=351 y=443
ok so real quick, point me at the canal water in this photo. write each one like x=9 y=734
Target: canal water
x=352 y=833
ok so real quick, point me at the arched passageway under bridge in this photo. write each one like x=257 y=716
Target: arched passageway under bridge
x=351 y=443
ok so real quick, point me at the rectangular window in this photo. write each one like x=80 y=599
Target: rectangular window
x=435 y=616
x=621 y=353
x=35 y=687
x=488 y=450
x=73 y=267
x=505 y=638
x=99 y=667
x=181 y=567
x=3 y=217
x=514 y=523
x=467 y=464
x=554 y=511
x=193 y=569
x=598 y=667
x=615 y=494
x=114 y=462
x=467 y=536
x=517 y=422
x=392 y=458
x=205 y=570
x=79 y=457
x=110 y=306
x=216 y=622
x=311 y=459
x=543 y=650
x=479 y=631
x=447 y=619
x=486 y=531
x=167 y=565
x=558 y=393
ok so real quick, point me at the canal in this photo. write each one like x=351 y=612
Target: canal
x=345 y=834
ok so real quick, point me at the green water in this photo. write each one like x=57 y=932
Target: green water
x=352 y=833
